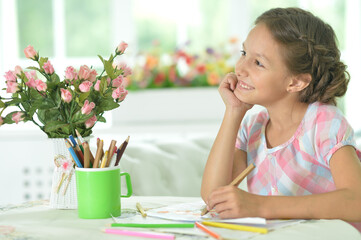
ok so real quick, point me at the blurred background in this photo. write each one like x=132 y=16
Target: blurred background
x=172 y=44
x=178 y=50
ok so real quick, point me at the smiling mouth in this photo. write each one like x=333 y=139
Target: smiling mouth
x=244 y=85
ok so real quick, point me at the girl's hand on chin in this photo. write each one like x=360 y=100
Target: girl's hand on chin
x=226 y=89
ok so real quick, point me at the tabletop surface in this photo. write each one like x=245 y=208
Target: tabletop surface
x=36 y=220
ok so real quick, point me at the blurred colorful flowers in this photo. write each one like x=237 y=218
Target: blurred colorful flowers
x=181 y=68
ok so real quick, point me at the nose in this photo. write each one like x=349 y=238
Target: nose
x=240 y=68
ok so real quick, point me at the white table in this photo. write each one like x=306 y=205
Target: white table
x=35 y=220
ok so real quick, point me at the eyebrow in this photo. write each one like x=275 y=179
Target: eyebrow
x=257 y=54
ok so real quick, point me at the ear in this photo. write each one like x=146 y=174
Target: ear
x=299 y=82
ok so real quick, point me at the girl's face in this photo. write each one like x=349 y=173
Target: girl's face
x=261 y=72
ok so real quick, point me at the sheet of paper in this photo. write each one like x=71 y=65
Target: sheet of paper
x=191 y=212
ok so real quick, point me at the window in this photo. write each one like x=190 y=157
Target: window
x=75 y=32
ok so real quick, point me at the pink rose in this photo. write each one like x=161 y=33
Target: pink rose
x=126 y=70
x=70 y=73
x=122 y=46
x=1 y=121
x=84 y=72
x=118 y=81
x=40 y=85
x=93 y=75
x=12 y=87
x=18 y=70
x=90 y=122
x=17 y=117
x=87 y=107
x=10 y=76
x=96 y=86
x=120 y=93
x=31 y=74
x=30 y=52
x=66 y=95
x=48 y=68
x=85 y=86
x=31 y=83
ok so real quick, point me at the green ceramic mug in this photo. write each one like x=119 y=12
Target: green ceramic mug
x=99 y=192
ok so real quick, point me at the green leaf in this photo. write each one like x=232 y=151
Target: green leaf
x=13 y=102
x=55 y=78
x=101 y=58
x=35 y=94
x=34 y=68
x=52 y=126
x=103 y=86
x=83 y=96
x=102 y=119
x=109 y=69
x=2 y=104
x=7 y=119
x=44 y=104
x=42 y=60
x=107 y=104
x=80 y=118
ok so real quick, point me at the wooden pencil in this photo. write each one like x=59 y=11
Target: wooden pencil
x=111 y=151
x=121 y=151
x=98 y=154
x=105 y=160
x=86 y=155
x=140 y=209
x=235 y=182
x=208 y=231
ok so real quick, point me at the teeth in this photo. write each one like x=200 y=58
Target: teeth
x=245 y=86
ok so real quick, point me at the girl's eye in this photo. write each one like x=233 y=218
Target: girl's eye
x=259 y=64
x=243 y=53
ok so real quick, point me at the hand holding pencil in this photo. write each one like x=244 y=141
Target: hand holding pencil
x=235 y=182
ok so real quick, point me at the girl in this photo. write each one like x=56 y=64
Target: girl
x=307 y=164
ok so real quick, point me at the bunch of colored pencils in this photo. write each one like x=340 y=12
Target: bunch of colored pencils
x=83 y=157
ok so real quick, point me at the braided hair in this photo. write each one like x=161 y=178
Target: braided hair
x=309 y=46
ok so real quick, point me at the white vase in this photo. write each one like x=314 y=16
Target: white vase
x=63 y=190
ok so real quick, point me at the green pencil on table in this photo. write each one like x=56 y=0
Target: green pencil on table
x=154 y=225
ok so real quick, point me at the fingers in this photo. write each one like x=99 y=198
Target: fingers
x=218 y=196
x=226 y=201
x=229 y=81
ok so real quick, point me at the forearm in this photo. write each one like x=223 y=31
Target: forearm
x=218 y=169
x=342 y=204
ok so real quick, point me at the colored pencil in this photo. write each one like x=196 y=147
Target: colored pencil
x=140 y=209
x=154 y=225
x=208 y=231
x=105 y=160
x=80 y=140
x=111 y=151
x=139 y=234
x=86 y=155
x=98 y=154
x=237 y=227
x=235 y=182
x=122 y=149
x=75 y=157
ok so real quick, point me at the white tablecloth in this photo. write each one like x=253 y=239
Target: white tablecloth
x=36 y=220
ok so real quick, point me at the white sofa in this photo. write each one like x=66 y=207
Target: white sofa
x=168 y=166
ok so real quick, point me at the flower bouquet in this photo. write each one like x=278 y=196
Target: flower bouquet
x=58 y=107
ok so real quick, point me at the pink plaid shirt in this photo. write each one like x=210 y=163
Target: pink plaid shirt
x=299 y=166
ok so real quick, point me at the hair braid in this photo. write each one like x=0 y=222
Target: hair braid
x=309 y=46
